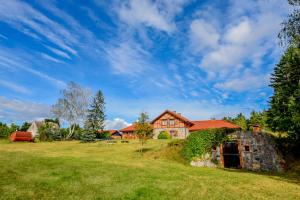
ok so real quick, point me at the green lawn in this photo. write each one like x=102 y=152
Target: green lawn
x=72 y=170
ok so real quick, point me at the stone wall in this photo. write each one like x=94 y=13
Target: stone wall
x=257 y=152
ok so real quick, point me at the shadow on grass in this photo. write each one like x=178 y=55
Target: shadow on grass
x=143 y=150
x=291 y=177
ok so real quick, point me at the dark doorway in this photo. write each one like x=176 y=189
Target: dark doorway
x=231 y=155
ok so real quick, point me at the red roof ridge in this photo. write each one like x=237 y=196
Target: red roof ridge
x=174 y=114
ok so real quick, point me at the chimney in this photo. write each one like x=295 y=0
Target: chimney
x=256 y=129
x=179 y=114
x=174 y=111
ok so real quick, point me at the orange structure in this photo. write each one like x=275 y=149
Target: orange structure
x=21 y=136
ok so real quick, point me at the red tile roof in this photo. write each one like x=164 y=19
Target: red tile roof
x=128 y=128
x=175 y=115
x=207 y=124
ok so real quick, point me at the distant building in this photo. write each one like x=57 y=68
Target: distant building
x=115 y=134
x=34 y=127
x=177 y=125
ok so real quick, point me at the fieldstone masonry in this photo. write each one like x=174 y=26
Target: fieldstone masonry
x=257 y=151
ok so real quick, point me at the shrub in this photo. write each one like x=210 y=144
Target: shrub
x=49 y=133
x=103 y=135
x=201 y=142
x=163 y=135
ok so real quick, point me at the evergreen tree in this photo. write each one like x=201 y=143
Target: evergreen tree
x=96 y=114
x=290 y=32
x=5 y=131
x=258 y=118
x=25 y=126
x=241 y=121
x=284 y=112
x=88 y=136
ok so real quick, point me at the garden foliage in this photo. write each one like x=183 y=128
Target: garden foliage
x=201 y=142
x=164 y=135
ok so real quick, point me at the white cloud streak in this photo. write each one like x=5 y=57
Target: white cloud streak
x=15 y=87
x=15 y=110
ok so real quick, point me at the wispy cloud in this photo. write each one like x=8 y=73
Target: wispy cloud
x=12 y=61
x=127 y=58
x=15 y=110
x=30 y=21
x=59 y=52
x=50 y=58
x=15 y=87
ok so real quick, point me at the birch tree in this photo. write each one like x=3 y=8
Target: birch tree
x=72 y=106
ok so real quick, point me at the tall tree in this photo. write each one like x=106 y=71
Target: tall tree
x=290 y=31
x=241 y=121
x=4 y=130
x=143 y=129
x=25 y=126
x=284 y=112
x=72 y=106
x=96 y=113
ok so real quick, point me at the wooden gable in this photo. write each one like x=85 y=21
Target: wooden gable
x=169 y=120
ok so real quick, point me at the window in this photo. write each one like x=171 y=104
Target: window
x=164 y=122
x=172 y=122
x=247 y=148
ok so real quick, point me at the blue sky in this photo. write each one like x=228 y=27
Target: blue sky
x=201 y=58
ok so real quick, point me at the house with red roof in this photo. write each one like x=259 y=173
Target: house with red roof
x=178 y=126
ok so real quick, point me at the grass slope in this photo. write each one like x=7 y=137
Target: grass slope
x=71 y=170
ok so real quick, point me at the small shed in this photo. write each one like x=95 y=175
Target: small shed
x=21 y=136
x=254 y=151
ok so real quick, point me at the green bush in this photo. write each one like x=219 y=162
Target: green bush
x=201 y=142
x=163 y=135
x=103 y=135
x=49 y=133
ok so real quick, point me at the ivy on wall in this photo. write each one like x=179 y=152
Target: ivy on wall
x=201 y=142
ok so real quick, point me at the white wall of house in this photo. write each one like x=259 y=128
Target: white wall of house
x=33 y=128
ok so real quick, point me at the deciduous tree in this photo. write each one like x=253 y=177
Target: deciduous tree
x=72 y=106
x=143 y=129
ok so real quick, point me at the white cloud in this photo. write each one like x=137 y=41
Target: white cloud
x=203 y=35
x=239 y=34
x=14 y=110
x=144 y=12
x=11 y=61
x=127 y=58
x=59 y=52
x=50 y=58
x=158 y=14
x=28 y=20
x=246 y=82
x=116 y=124
x=245 y=39
x=14 y=87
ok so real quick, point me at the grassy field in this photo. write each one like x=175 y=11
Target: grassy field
x=71 y=170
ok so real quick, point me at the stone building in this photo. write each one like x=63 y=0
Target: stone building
x=249 y=150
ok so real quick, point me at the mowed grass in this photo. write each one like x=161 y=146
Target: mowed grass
x=72 y=170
